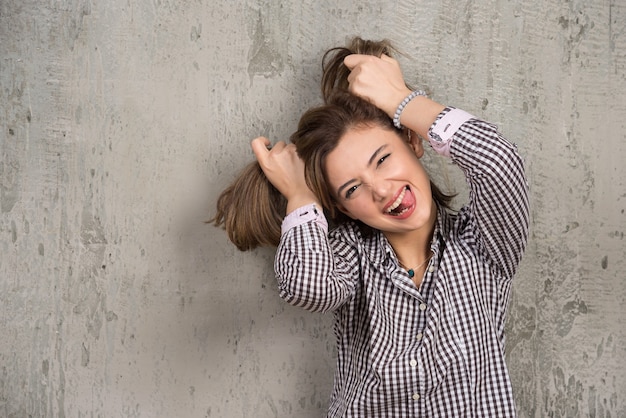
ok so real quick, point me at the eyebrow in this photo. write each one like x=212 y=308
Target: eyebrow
x=369 y=163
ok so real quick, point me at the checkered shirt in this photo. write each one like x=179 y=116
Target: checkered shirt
x=436 y=350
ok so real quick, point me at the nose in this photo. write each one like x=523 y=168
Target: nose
x=380 y=189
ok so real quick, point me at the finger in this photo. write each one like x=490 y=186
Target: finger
x=350 y=79
x=260 y=147
x=353 y=60
x=349 y=62
x=293 y=150
x=394 y=62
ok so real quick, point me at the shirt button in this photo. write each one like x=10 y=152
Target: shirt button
x=416 y=396
x=422 y=306
x=431 y=269
x=413 y=363
x=419 y=336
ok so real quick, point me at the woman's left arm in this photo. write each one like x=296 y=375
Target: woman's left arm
x=498 y=189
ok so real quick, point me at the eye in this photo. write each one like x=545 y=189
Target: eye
x=350 y=191
x=382 y=159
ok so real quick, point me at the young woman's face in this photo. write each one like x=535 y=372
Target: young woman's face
x=377 y=178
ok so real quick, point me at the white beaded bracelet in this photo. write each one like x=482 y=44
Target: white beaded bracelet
x=402 y=105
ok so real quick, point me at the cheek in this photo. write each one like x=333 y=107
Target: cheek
x=420 y=171
x=348 y=207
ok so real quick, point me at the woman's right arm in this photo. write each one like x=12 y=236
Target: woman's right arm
x=310 y=274
x=313 y=271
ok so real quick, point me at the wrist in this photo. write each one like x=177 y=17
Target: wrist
x=420 y=114
x=395 y=100
x=402 y=105
x=297 y=201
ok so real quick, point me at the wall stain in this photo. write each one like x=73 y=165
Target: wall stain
x=13 y=232
x=567 y=397
x=575 y=26
x=569 y=312
x=605 y=262
x=74 y=22
x=264 y=58
x=196 y=32
x=9 y=184
x=84 y=361
x=521 y=325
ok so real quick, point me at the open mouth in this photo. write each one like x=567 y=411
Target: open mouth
x=399 y=206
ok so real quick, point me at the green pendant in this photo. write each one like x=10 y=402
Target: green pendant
x=411 y=273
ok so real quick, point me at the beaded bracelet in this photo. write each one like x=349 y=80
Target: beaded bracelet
x=401 y=106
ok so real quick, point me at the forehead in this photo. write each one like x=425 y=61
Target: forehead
x=356 y=147
x=364 y=140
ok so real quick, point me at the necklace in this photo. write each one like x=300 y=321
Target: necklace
x=411 y=272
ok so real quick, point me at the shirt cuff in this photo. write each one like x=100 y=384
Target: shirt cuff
x=303 y=215
x=442 y=131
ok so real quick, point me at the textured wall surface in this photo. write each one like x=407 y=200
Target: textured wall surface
x=121 y=121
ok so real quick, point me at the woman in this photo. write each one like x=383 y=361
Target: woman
x=419 y=292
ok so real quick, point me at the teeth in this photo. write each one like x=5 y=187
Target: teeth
x=397 y=202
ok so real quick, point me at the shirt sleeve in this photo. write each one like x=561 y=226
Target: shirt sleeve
x=303 y=215
x=446 y=125
x=498 y=189
x=314 y=271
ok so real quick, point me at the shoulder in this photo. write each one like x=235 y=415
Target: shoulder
x=456 y=225
x=347 y=233
x=461 y=233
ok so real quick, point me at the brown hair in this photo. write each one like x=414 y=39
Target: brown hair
x=335 y=74
x=251 y=209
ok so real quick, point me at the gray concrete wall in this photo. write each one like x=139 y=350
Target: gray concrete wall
x=121 y=121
